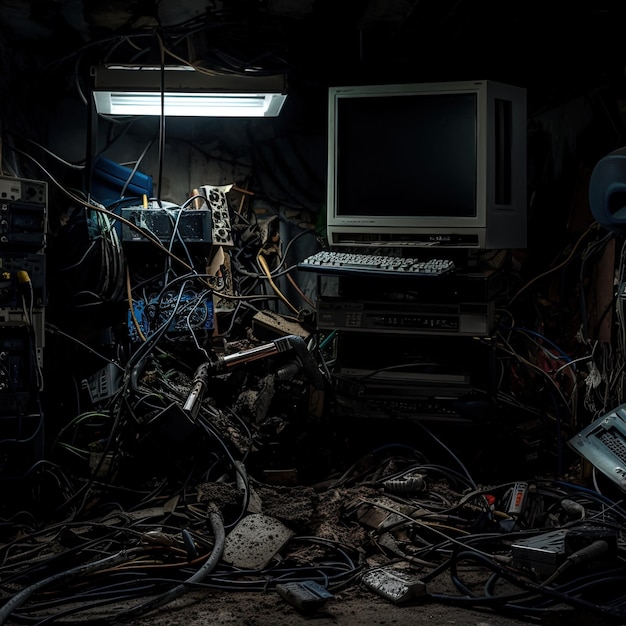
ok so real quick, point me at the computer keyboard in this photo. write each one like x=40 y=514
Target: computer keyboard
x=346 y=262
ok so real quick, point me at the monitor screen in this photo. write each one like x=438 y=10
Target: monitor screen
x=379 y=167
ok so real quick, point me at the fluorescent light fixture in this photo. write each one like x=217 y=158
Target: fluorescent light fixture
x=137 y=90
x=193 y=104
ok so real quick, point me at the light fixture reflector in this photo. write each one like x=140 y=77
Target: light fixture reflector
x=137 y=91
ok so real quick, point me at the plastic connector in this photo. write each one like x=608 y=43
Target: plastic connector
x=589 y=553
x=572 y=508
x=576 y=539
x=307 y=596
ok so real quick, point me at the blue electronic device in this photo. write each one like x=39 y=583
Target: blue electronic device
x=112 y=182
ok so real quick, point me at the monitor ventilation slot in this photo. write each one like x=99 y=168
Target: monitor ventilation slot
x=603 y=444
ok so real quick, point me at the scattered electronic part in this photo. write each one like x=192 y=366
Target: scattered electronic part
x=394 y=585
x=307 y=595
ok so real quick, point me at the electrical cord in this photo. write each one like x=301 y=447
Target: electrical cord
x=179 y=590
x=555 y=595
x=588 y=554
x=113 y=216
x=21 y=597
x=486 y=549
x=334 y=574
x=124 y=579
x=594 y=226
x=263 y=263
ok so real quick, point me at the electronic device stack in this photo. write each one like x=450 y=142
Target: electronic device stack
x=423 y=180
x=23 y=232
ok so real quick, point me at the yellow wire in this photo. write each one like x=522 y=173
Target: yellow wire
x=129 y=297
x=265 y=267
x=297 y=288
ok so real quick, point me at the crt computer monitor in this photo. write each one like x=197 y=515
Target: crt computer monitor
x=427 y=164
